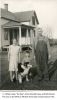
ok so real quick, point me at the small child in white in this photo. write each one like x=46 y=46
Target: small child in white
x=25 y=66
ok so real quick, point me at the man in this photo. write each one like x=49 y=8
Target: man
x=13 y=58
x=41 y=56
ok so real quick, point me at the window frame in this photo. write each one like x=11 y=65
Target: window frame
x=6 y=34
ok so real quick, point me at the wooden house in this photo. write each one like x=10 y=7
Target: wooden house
x=19 y=25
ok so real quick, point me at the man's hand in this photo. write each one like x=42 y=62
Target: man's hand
x=49 y=56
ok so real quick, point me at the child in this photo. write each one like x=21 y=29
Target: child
x=25 y=66
x=13 y=57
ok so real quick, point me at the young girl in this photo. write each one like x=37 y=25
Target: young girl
x=25 y=66
x=13 y=57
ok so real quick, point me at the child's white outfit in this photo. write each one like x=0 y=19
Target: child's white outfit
x=13 y=60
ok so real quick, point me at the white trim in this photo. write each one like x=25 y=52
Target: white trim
x=19 y=35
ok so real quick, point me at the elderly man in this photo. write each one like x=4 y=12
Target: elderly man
x=41 y=56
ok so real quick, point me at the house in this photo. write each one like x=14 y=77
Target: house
x=19 y=25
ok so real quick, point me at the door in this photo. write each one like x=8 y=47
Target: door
x=15 y=34
x=11 y=36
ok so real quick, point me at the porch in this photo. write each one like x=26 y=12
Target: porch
x=24 y=34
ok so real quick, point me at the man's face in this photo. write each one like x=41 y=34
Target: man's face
x=14 y=41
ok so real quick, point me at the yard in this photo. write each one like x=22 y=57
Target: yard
x=31 y=85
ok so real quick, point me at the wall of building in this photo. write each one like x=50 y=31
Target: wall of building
x=35 y=26
x=3 y=41
x=0 y=34
x=4 y=21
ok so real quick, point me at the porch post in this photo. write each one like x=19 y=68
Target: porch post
x=27 y=37
x=9 y=36
x=31 y=31
x=30 y=36
x=13 y=33
x=20 y=35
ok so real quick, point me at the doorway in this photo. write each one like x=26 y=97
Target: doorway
x=13 y=34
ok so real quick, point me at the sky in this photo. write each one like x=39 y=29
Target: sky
x=46 y=11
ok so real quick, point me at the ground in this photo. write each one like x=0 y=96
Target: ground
x=33 y=84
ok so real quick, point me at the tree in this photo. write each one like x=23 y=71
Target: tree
x=47 y=31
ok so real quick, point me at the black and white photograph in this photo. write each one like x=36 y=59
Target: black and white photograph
x=28 y=45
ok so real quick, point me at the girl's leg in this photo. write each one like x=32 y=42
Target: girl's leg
x=11 y=76
x=20 y=78
x=16 y=73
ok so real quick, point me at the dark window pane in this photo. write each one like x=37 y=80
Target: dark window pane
x=29 y=32
x=33 y=20
x=15 y=33
x=6 y=34
x=23 y=32
x=34 y=33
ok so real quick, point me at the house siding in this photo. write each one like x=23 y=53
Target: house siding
x=4 y=21
x=3 y=41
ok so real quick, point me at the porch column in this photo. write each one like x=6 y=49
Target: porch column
x=31 y=31
x=13 y=33
x=19 y=35
x=30 y=36
x=9 y=36
x=27 y=37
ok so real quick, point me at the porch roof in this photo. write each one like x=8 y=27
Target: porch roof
x=13 y=24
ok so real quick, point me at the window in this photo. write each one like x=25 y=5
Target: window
x=6 y=34
x=15 y=33
x=23 y=32
x=34 y=33
x=33 y=20
x=29 y=32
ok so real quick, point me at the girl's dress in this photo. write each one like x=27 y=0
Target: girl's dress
x=14 y=53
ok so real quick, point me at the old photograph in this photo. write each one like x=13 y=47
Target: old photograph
x=28 y=45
